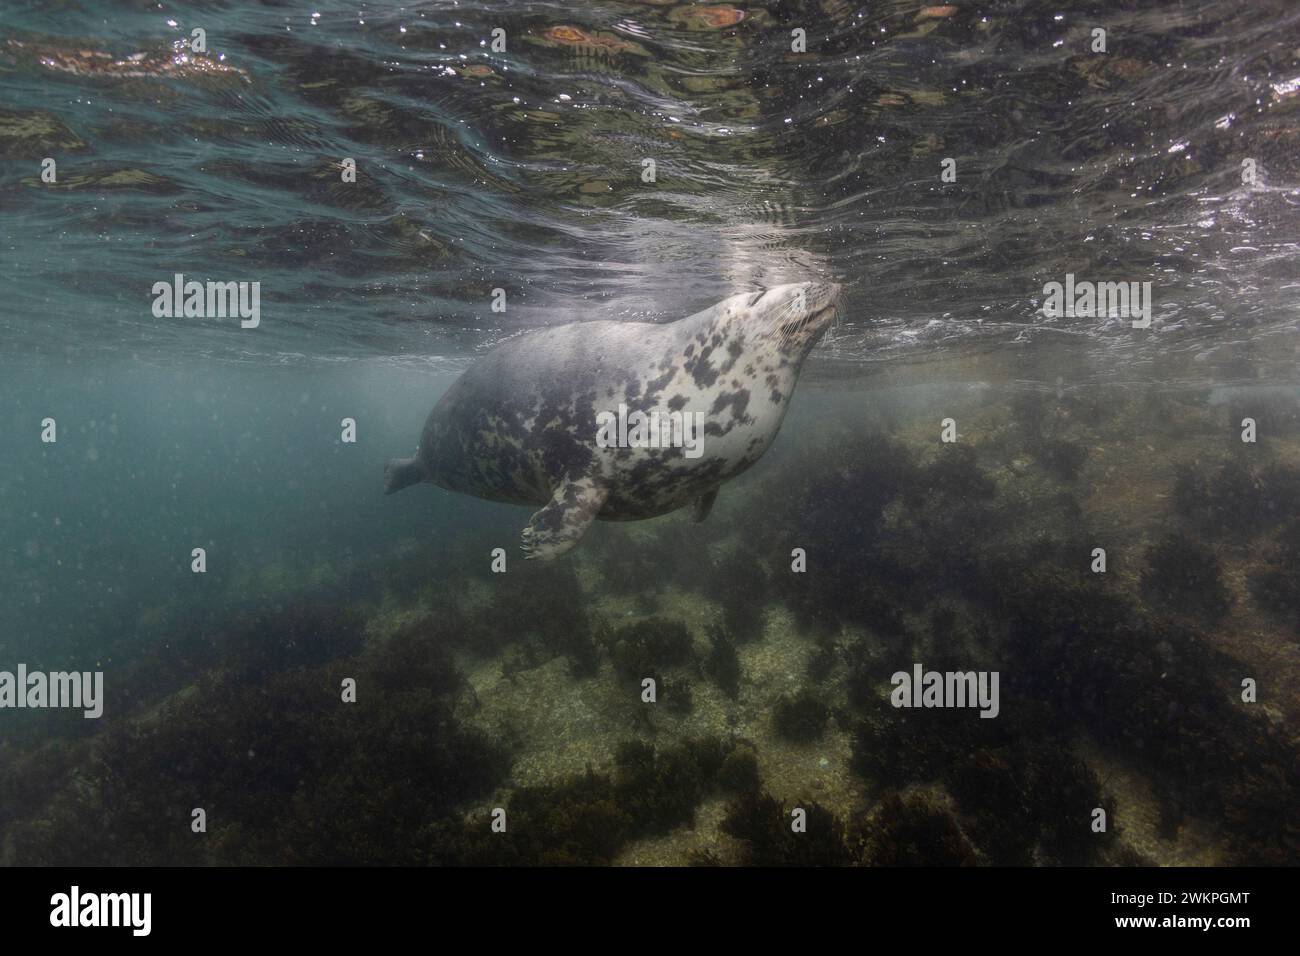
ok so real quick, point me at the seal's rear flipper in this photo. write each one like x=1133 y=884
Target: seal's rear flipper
x=400 y=472
x=703 y=505
x=565 y=518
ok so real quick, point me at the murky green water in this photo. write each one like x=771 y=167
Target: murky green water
x=1107 y=517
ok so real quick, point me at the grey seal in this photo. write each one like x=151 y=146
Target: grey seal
x=621 y=420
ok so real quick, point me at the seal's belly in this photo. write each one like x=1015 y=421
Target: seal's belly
x=494 y=466
x=642 y=483
x=509 y=441
x=645 y=485
x=643 y=489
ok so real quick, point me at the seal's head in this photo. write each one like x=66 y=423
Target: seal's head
x=793 y=317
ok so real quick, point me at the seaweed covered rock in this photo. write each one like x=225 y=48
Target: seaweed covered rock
x=285 y=771
x=658 y=553
x=954 y=473
x=539 y=604
x=723 y=663
x=924 y=553
x=659 y=790
x=800 y=717
x=1238 y=499
x=703 y=856
x=1155 y=689
x=1276 y=587
x=588 y=819
x=1274 y=413
x=742 y=587
x=649 y=647
x=1185 y=574
x=912 y=829
x=766 y=827
x=1041 y=419
x=1020 y=792
x=824 y=657
x=739 y=771
x=675 y=696
x=893 y=749
x=1031 y=803
x=1062 y=458
x=576 y=823
x=835 y=512
x=285 y=636
x=413 y=661
x=882 y=529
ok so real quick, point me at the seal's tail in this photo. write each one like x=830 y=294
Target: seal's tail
x=400 y=472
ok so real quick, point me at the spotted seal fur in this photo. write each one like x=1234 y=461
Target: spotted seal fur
x=523 y=424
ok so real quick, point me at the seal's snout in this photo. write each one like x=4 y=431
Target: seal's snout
x=801 y=312
x=822 y=295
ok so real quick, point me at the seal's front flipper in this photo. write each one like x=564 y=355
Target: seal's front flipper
x=400 y=472
x=565 y=518
x=703 y=505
